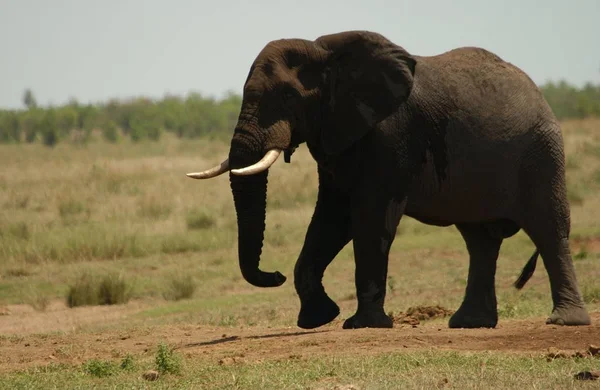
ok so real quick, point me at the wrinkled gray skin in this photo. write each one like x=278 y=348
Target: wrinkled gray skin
x=462 y=138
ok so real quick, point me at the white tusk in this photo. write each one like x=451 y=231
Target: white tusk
x=212 y=172
x=260 y=166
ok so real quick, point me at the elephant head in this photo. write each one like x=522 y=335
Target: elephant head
x=329 y=93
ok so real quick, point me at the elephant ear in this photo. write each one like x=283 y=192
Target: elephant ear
x=368 y=78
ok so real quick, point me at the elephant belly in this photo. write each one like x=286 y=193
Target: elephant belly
x=468 y=194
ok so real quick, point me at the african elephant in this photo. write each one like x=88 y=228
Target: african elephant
x=462 y=138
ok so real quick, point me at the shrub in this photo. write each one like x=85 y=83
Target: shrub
x=99 y=368
x=89 y=290
x=181 y=286
x=83 y=292
x=113 y=290
x=127 y=363
x=167 y=361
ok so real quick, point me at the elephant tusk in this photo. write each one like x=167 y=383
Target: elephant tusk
x=212 y=172
x=264 y=164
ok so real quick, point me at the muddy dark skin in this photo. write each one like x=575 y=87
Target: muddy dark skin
x=462 y=138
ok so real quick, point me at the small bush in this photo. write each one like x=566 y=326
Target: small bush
x=199 y=219
x=113 y=290
x=181 y=286
x=127 y=363
x=99 y=368
x=167 y=361
x=83 y=292
x=88 y=290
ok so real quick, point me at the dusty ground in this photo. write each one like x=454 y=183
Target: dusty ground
x=230 y=345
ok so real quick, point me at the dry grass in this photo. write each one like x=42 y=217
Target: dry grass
x=128 y=209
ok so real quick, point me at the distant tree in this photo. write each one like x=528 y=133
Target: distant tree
x=568 y=101
x=49 y=128
x=87 y=117
x=110 y=132
x=67 y=119
x=29 y=99
x=29 y=122
x=10 y=129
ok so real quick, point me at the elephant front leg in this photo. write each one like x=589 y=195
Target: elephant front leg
x=329 y=231
x=374 y=228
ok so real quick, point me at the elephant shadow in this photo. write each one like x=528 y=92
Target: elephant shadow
x=257 y=337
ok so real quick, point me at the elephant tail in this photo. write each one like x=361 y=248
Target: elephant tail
x=527 y=270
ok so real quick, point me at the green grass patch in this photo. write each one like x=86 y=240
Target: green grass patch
x=100 y=368
x=414 y=370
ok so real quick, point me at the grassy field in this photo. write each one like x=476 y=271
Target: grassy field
x=73 y=216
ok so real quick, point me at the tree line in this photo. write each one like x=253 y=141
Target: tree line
x=193 y=116
x=139 y=119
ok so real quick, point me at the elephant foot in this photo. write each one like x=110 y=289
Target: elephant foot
x=317 y=312
x=370 y=319
x=573 y=315
x=473 y=318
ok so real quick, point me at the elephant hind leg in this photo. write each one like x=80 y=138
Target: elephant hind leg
x=550 y=235
x=546 y=219
x=479 y=308
x=568 y=306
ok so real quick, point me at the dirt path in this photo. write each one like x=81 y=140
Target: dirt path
x=529 y=336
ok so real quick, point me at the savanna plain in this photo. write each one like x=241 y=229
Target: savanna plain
x=113 y=263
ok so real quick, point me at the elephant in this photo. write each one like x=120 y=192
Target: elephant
x=461 y=138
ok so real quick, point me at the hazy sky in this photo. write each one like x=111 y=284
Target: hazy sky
x=95 y=50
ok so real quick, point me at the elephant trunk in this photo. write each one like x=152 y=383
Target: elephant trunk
x=250 y=198
x=253 y=150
